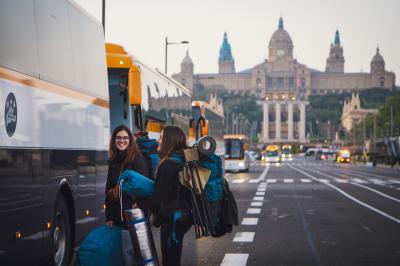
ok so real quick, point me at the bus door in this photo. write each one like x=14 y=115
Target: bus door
x=118 y=93
x=21 y=209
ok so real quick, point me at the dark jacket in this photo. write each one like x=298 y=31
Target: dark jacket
x=113 y=209
x=169 y=194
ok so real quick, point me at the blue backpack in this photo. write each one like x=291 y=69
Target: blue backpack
x=101 y=247
x=221 y=202
x=214 y=187
x=148 y=147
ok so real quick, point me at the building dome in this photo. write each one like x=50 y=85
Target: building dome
x=377 y=57
x=187 y=64
x=377 y=62
x=280 y=43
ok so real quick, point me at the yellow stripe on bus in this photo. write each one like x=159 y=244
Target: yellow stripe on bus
x=33 y=82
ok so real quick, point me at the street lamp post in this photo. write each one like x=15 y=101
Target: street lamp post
x=166 y=51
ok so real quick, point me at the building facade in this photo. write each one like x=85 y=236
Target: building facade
x=281 y=72
x=353 y=113
x=284 y=84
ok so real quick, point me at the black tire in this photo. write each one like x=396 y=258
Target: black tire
x=61 y=234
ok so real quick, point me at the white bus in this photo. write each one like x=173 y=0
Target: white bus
x=60 y=96
x=236 y=157
x=54 y=129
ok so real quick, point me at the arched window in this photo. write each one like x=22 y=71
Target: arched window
x=303 y=82
x=382 y=81
x=280 y=83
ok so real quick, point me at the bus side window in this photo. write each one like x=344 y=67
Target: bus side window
x=137 y=117
x=123 y=84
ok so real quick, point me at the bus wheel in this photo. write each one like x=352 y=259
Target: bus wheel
x=61 y=234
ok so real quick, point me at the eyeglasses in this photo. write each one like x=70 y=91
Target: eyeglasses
x=122 y=138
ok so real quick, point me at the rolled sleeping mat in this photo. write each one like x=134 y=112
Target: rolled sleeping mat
x=141 y=237
x=206 y=145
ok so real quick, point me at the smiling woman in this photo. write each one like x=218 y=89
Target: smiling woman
x=124 y=155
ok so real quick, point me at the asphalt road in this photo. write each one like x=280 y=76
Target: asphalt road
x=307 y=212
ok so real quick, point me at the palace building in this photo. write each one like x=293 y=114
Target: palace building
x=284 y=84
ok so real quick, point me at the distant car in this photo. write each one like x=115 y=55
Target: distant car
x=253 y=155
x=318 y=155
x=310 y=152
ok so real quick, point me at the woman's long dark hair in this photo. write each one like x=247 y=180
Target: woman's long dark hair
x=173 y=140
x=131 y=151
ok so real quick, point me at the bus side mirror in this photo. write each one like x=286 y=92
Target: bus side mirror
x=134 y=86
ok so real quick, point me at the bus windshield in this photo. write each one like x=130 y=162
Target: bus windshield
x=272 y=153
x=233 y=149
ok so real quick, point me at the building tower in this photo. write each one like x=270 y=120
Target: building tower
x=377 y=63
x=280 y=44
x=186 y=76
x=225 y=61
x=335 y=61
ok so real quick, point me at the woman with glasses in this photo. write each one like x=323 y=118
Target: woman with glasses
x=124 y=154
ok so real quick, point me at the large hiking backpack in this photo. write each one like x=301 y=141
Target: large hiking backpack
x=148 y=147
x=221 y=203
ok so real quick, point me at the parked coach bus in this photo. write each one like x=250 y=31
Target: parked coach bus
x=143 y=98
x=60 y=96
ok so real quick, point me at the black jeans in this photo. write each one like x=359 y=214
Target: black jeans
x=172 y=250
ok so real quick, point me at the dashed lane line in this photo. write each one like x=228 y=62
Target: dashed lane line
x=244 y=237
x=249 y=221
x=235 y=259
x=258 y=198
x=256 y=204
x=253 y=211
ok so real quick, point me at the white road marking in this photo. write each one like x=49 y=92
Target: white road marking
x=323 y=180
x=235 y=259
x=348 y=196
x=305 y=180
x=249 y=221
x=256 y=204
x=271 y=180
x=378 y=192
x=377 y=181
x=238 y=181
x=260 y=193
x=359 y=180
x=244 y=237
x=288 y=180
x=253 y=211
x=394 y=181
x=339 y=180
x=261 y=189
x=262 y=176
x=258 y=198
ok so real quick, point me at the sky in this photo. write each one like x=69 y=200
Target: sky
x=142 y=26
